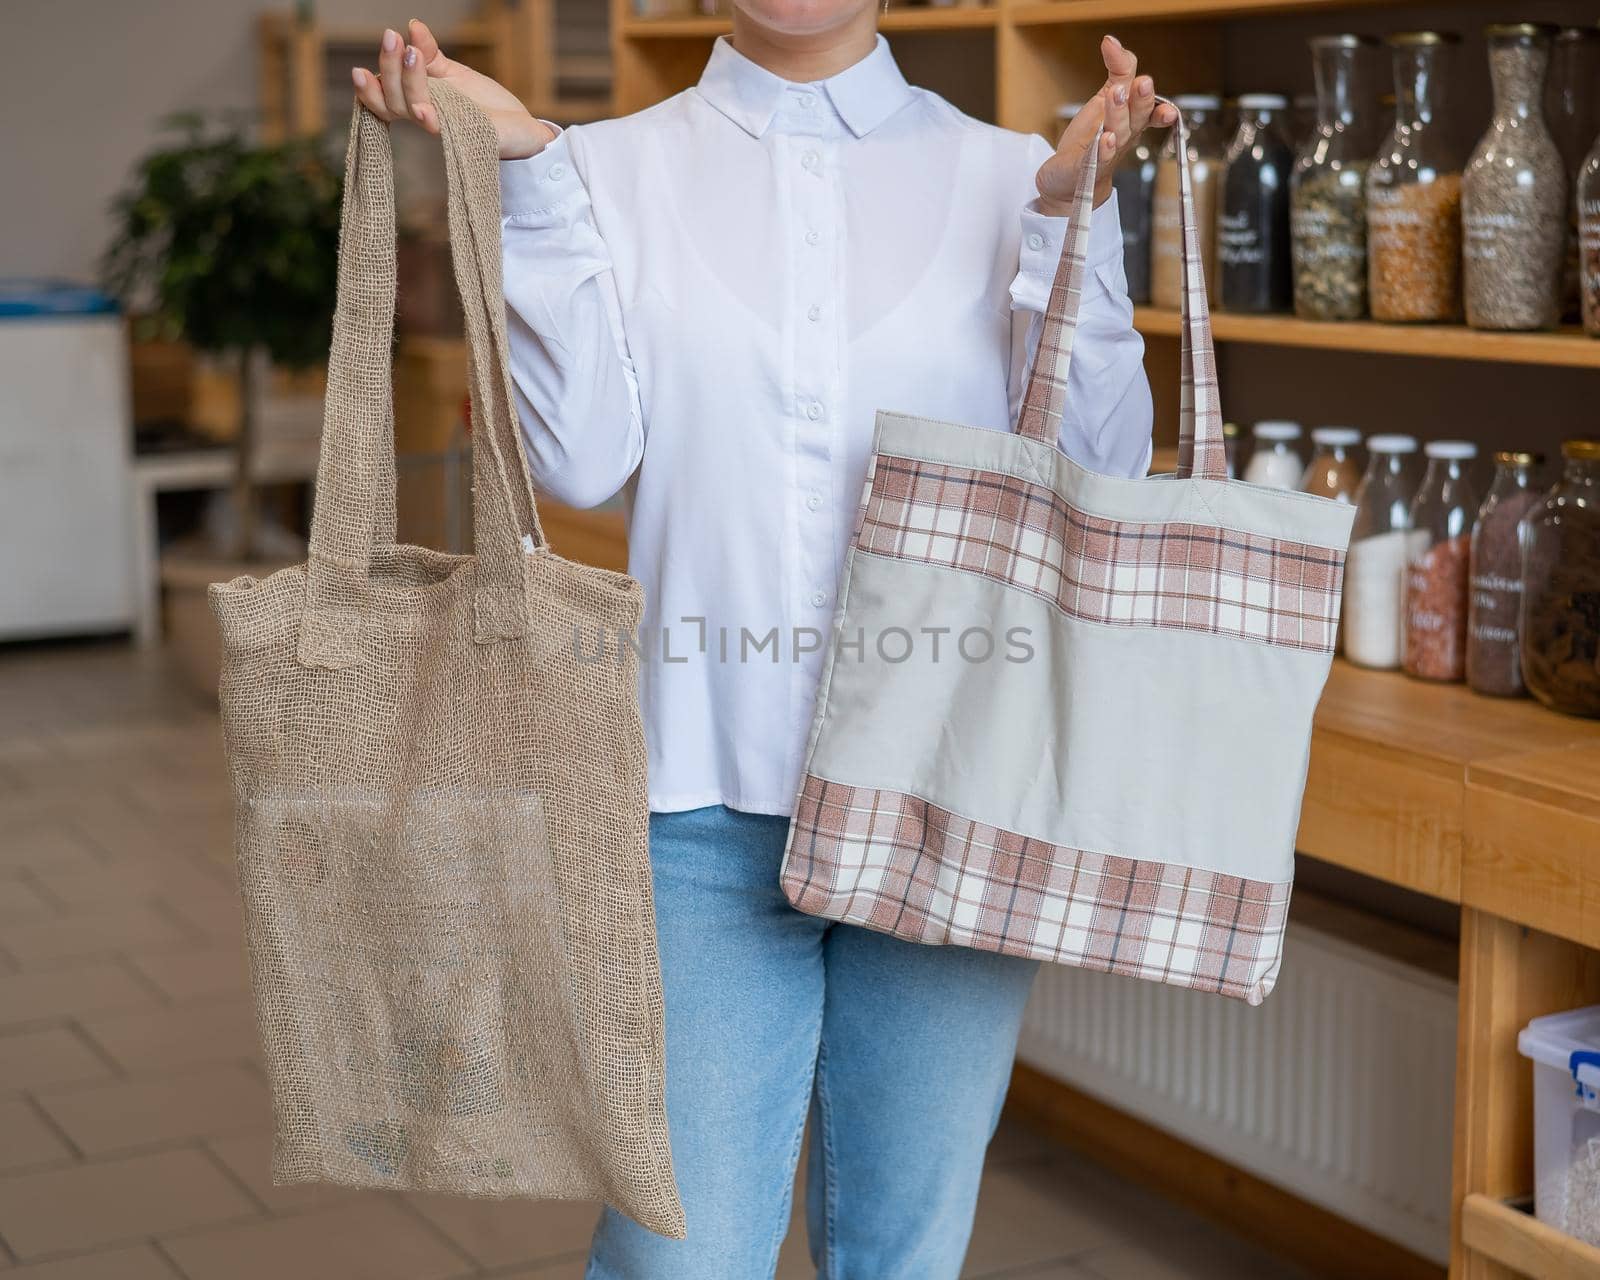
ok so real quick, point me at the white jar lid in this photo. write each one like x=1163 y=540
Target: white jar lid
x=1276 y=429
x=1455 y=449
x=1262 y=102
x=1391 y=444
x=1336 y=435
x=1196 y=101
x=1068 y=109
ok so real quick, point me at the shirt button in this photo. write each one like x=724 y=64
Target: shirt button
x=819 y=598
x=812 y=237
x=810 y=159
x=1035 y=241
x=814 y=312
x=557 y=172
x=806 y=100
x=814 y=502
x=813 y=411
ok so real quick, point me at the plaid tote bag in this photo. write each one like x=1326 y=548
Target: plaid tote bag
x=1103 y=762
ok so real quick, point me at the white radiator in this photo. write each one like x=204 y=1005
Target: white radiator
x=1338 y=1088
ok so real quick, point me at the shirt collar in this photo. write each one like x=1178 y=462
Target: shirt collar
x=865 y=94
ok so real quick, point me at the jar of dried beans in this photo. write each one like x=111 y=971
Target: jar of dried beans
x=1327 y=192
x=1253 y=265
x=1202 y=112
x=1561 y=587
x=1135 y=183
x=1433 y=631
x=1374 y=569
x=1494 y=659
x=1414 y=192
x=1514 y=193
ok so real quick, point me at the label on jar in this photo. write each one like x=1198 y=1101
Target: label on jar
x=1239 y=241
x=1589 y=262
x=1481 y=233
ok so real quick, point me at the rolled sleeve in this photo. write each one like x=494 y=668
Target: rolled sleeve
x=539 y=184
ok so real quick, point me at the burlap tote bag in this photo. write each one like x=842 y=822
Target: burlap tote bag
x=441 y=811
x=1102 y=763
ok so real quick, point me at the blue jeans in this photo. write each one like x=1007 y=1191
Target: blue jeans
x=901 y=1053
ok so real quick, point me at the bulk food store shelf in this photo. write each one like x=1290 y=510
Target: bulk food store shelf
x=1567 y=347
x=1517 y=1240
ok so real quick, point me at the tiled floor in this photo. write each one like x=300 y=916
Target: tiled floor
x=133 y=1113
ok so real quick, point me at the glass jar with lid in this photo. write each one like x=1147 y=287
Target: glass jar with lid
x=1494 y=660
x=1561 y=587
x=1374 y=568
x=1333 y=471
x=1135 y=184
x=1588 y=205
x=1254 y=273
x=1202 y=113
x=1574 y=123
x=1327 y=193
x=1514 y=192
x=1433 y=630
x=1275 y=462
x=1414 y=192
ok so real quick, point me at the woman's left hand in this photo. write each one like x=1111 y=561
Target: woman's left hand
x=1112 y=120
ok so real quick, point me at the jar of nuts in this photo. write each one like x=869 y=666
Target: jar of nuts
x=1414 y=192
x=1561 y=587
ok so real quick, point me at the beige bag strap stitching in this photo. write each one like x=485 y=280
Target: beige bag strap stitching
x=1200 y=449
x=355 y=506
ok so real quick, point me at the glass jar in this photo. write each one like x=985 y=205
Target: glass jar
x=1253 y=268
x=1561 y=587
x=1303 y=117
x=1327 y=193
x=1574 y=123
x=1494 y=663
x=1135 y=184
x=1513 y=196
x=1414 y=192
x=1433 y=631
x=1201 y=112
x=1374 y=568
x=1230 y=448
x=1274 y=462
x=1588 y=204
x=1333 y=471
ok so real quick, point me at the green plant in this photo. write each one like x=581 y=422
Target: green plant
x=233 y=248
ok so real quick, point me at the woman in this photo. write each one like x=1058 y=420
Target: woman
x=708 y=301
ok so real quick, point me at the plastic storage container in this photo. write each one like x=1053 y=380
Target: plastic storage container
x=1565 y=1050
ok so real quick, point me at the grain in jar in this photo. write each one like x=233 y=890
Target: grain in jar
x=1275 y=461
x=1374 y=570
x=1201 y=112
x=1513 y=195
x=1414 y=192
x=1433 y=631
x=1494 y=658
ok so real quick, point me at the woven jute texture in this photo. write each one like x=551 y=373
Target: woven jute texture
x=442 y=830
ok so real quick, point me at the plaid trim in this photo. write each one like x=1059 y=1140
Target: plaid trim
x=1171 y=574
x=899 y=865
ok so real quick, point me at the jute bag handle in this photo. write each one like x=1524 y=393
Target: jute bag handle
x=1200 y=448
x=355 y=502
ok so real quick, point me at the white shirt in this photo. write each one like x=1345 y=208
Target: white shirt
x=709 y=300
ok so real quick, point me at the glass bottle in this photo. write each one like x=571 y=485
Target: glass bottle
x=1274 y=461
x=1588 y=203
x=1230 y=448
x=1374 y=568
x=1561 y=587
x=1414 y=192
x=1513 y=196
x=1333 y=471
x=1327 y=193
x=1433 y=631
x=1253 y=268
x=1494 y=664
x=1201 y=112
x=1135 y=183
x=1303 y=114
x=1574 y=124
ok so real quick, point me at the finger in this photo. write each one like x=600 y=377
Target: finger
x=370 y=93
x=1116 y=119
x=414 y=83
x=389 y=54
x=1121 y=65
x=428 y=51
x=1165 y=114
x=1143 y=105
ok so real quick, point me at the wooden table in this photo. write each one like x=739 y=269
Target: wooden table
x=1495 y=805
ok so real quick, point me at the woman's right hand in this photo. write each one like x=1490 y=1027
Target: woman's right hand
x=399 y=91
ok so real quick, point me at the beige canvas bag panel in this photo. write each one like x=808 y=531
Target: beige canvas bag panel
x=441 y=810
x=1103 y=763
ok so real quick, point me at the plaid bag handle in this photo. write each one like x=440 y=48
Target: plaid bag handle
x=1200 y=449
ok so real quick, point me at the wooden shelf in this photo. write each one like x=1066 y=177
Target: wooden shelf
x=1056 y=12
x=1520 y=1241
x=951 y=18
x=1567 y=347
